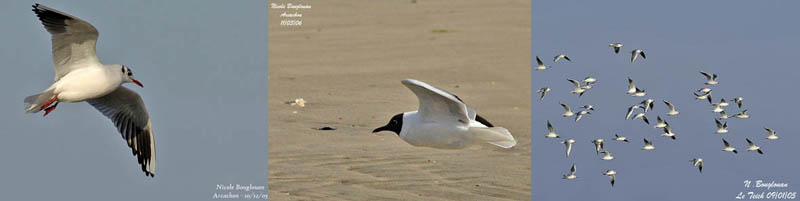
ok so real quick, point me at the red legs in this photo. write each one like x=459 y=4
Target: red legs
x=49 y=109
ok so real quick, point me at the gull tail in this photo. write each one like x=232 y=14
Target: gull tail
x=34 y=103
x=497 y=136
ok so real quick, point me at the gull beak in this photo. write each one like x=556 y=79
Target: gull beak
x=379 y=129
x=137 y=82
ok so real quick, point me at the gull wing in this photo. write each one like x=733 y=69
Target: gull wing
x=726 y=143
x=549 y=127
x=573 y=169
x=575 y=83
x=438 y=105
x=671 y=107
x=708 y=76
x=126 y=109
x=539 y=61
x=566 y=107
x=74 y=40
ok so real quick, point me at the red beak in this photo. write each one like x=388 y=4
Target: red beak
x=137 y=82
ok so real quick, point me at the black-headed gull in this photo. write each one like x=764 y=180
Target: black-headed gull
x=706 y=96
x=711 y=78
x=752 y=147
x=643 y=117
x=589 y=80
x=647 y=104
x=79 y=76
x=772 y=134
x=697 y=162
x=443 y=121
x=578 y=89
x=660 y=123
x=672 y=111
x=540 y=65
x=612 y=175
x=616 y=47
x=728 y=147
x=559 y=57
x=606 y=156
x=543 y=91
x=648 y=145
x=738 y=101
x=635 y=54
x=721 y=128
x=598 y=144
x=742 y=115
x=631 y=110
x=568 y=143
x=668 y=132
x=571 y=174
x=620 y=138
x=581 y=114
x=551 y=132
x=567 y=112
x=639 y=92
x=631 y=86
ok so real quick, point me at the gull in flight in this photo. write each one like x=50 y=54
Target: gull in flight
x=706 y=96
x=728 y=147
x=738 y=101
x=712 y=78
x=753 y=147
x=580 y=114
x=631 y=110
x=598 y=144
x=540 y=65
x=771 y=132
x=551 y=132
x=668 y=132
x=660 y=123
x=717 y=108
x=721 y=128
x=571 y=174
x=606 y=156
x=722 y=115
x=635 y=54
x=588 y=107
x=578 y=89
x=568 y=143
x=559 y=57
x=620 y=138
x=616 y=47
x=742 y=115
x=704 y=90
x=567 y=111
x=697 y=162
x=672 y=110
x=648 y=145
x=443 y=121
x=543 y=91
x=639 y=92
x=644 y=118
x=589 y=80
x=648 y=104
x=631 y=86
x=611 y=174
x=723 y=103
x=79 y=76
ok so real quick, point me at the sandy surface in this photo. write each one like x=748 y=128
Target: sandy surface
x=347 y=61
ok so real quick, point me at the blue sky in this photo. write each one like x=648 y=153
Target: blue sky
x=203 y=67
x=751 y=45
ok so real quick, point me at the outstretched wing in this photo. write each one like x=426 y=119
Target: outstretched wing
x=73 y=39
x=126 y=109
x=436 y=104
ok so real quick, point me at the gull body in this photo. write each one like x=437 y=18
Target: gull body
x=443 y=121
x=551 y=132
x=742 y=115
x=598 y=144
x=723 y=103
x=704 y=90
x=631 y=86
x=589 y=80
x=588 y=107
x=717 y=108
x=607 y=156
x=672 y=111
x=706 y=96
x=568 y=143
x=721 y=128
x=728 y=147
x=639 y=93
x=635 y=54
x=615 y=46
x=580 y=115
x=543 y=91
x=571 y=174
x=567 y=112
x=772 y=134
x=697 y=162
x=753 y=147
x=620 y=138
x=559 y=57
x=612 y=175
x=648 y=145
x=711 y=78
x=722 y=115
x=660 y=123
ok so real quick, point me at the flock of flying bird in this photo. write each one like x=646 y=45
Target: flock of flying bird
x=581 y=87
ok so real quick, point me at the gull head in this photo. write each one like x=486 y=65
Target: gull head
x=127 y=76
x=394 y=125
